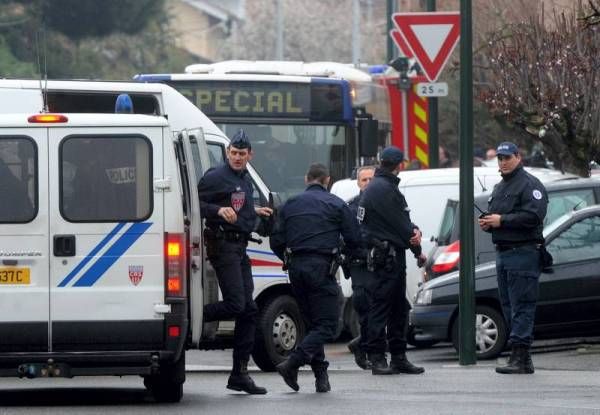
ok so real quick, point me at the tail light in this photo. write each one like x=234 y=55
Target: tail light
x=448 y=260
x=175 y=264
x=47 y=118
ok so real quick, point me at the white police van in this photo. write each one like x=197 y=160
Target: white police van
x=99 y=248
x=280 y=325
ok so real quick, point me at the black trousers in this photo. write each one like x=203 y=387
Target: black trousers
x=318 y=295
x=389 y=309
x=234 y=274
x=362 y=286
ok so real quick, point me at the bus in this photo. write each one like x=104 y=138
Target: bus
x=295 y=114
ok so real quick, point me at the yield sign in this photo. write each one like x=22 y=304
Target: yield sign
x=401 y=43
x=431 y=36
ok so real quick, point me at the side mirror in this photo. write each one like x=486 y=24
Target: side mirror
x=367 y=137
x=275 y=201
x=265 y=225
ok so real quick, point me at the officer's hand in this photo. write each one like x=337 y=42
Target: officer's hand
x=263 y=211
x=416 y=239
x=228 y=214
x=421 y=259
x=490 y=221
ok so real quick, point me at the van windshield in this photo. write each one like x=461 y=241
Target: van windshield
x=283 y=152
x=447 y=224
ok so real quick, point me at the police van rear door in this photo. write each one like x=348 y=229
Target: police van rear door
x=203 y=285
x=107 y=284
x=23 y=240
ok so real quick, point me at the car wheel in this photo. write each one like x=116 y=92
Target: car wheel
x=490 y=332
x=167 y=385
x=279 y=329
x=419 y=344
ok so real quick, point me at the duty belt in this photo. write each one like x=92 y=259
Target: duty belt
x=506 y=247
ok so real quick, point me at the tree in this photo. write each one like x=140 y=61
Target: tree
x=544 y=78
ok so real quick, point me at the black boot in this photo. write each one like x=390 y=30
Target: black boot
x=519 y=362
x=360 y=357
x=321 y=379
x=400 y=364
x=379 y=365
x=288 y=369
x=239 y=380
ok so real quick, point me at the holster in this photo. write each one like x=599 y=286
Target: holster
x=287 y=259
x=381 y=255
x=211 y=242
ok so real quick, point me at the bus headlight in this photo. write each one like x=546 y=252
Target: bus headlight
x=423 y=297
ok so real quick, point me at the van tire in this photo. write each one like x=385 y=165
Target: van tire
x=167 y=385
x=279 y=329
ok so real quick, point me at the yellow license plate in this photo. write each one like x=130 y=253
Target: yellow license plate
x=15 y=276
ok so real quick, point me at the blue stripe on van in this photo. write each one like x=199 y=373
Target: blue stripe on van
x=89 y=256
x=113 y=254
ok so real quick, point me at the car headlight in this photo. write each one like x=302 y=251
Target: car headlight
x=424 y=297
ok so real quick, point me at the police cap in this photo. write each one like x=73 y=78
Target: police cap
x=241 y=140
x=507 y=149
x=392 y=154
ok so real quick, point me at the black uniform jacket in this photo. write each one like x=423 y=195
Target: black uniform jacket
x=225 y=187
x=384 y=213
x=521 y=200
x=312 y=222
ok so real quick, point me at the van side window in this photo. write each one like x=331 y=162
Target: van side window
x=216 y=153
x=18 y=180
x=106 y=178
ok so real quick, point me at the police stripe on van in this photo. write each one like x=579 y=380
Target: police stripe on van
x=110 y=256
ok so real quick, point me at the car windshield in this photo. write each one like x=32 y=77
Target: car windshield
x=282 y=153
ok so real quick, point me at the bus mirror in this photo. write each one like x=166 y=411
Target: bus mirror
x=367 y=137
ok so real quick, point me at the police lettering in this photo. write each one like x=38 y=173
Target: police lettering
x=121 y=175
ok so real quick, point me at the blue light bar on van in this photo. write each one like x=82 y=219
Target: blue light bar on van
x=377 y=69
x=152 y=78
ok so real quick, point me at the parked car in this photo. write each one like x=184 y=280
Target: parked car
x=563 y=195
x=569 y=292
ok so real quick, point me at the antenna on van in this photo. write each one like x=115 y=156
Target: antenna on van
x=44 y=74
x=483 y=188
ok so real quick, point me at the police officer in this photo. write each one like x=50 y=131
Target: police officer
x=227 y=204
x=306 y=237
x=388 y=231
x=362 y=278
x=517 y=209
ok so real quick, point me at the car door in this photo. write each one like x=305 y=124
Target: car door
x=107 y=271
x=24 y=252
x=569 y=298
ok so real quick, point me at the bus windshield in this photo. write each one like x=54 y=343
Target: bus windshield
x=282 y=153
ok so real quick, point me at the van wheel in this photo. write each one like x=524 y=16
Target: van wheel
x=167 y=385
x=490 y=332
x=279 y=329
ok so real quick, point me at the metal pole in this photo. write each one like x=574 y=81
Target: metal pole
x=466 y=305
x=434 y=144
x=391 y=9
x=355 y=32
x=279 y=28
x=404 y=95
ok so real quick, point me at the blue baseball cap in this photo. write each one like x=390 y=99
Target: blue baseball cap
x=241 y=140
x=507 y=149
x=392 y=154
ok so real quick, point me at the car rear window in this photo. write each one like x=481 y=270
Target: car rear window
x=581 y=241
x=106 y=178
x=447 y=224
x=18 y=179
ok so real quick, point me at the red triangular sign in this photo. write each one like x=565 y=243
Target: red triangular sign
x=401 y=43
x=431 y=36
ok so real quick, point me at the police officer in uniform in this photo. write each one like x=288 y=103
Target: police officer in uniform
x=517 y=209
x=227 y=204
x=362 y=279
x=388 y=231
x=306 y=237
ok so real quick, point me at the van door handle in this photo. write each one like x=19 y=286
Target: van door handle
x=64 y=245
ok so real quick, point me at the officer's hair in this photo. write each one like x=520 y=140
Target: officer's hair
x=388 y=166
x=317 y=172
x=363 y=168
